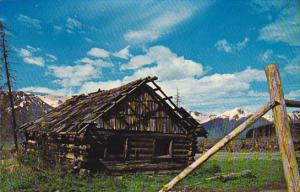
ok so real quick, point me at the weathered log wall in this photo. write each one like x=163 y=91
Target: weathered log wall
x=267 y=132
x=117 y=151
x=141 y=112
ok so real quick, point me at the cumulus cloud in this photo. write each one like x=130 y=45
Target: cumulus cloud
x=137 y=62
x=35 y=56
x=29 y=55
x=123 y=53
x=217 y=91
x=227 y=47
x=98 y=52
x=210 y=93
x=96 y=62
x=167 y=65
x=269 y=56
x=69 y=76
x=28 y=21
x=88 y=87
x=293 y=67
x=207 y=93
x=286 y=27
x=85 y=69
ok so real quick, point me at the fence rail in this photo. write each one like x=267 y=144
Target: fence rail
x=292 y=103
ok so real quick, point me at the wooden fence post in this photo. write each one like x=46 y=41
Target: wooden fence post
x=283 y=131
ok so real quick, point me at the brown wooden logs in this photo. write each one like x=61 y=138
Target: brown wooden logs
x=283 y=129
x=292 y=103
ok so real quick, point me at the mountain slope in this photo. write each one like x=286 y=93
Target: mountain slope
x=220 y=125
x=28 y=107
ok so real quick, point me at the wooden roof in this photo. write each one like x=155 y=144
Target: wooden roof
x=78 y=113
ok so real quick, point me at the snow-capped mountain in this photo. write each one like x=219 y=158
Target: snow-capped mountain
x=27 y=106
x=52 y=100
x=218 y=125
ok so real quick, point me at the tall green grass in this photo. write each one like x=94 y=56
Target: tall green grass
x=31 y=176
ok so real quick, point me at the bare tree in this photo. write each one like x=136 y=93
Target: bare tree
x=177 y=97
x=4 y=57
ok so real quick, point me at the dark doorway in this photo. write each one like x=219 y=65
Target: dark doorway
x=116 y=147
x=163 y=148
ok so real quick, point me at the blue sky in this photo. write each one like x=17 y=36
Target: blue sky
x=214 y=52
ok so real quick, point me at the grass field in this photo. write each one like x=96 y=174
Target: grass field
x=268 y=175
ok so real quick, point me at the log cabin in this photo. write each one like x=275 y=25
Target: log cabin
x=268 y=132
x=135 y=127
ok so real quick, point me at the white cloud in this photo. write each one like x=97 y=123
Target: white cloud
x=51 y=58
x=265 y=57
x=167 y=65
x=28 y=21
x=295 y=94
x=269 y=56
x=242 y=44
x=69 y=76
x=141 y=36
x=39 y=61
x=262 y=5
x=123 y=53
x=85 y=69
x=137 y=62
x=46 y=90
x=88 y=87
x=224 y=45
x=207 y=93
x=57 y=28
x=24 y=52
x=95 y=62
x=294 y=66
x=73 y=25
x=32 y=49
x=98 y=52
x=153 y=26
x=286 y=28
x=217 y=91
x=29 y=56
x=88 y=39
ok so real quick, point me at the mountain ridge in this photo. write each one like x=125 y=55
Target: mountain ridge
x=28 y=107
x=219 y=125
